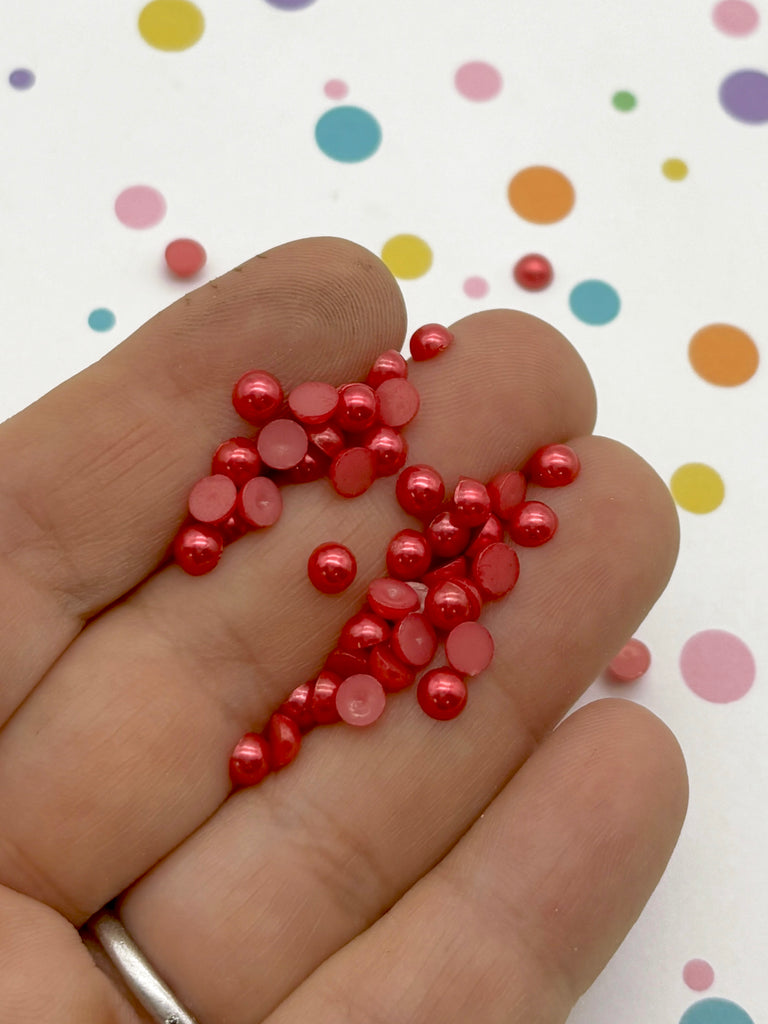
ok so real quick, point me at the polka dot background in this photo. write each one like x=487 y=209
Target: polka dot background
x=452 y=140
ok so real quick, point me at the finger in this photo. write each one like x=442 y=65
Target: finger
x=520 y=918
x=96 y=474
x=161 y=687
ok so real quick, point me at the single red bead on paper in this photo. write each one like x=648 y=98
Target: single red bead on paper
x=532 y=523
x=357 y=409
x=452 y=570
x=471 y=502
x=260 y=503
x=282 y=444
x=388 y=366
x=429 y=341
x=238 y=458
x=414 y=640
x=298 y=706
x=212 y=499
x=441 y=694
x=324 y=709
x=491 y=532
x=249 y=761
x=347 y=663
x=446 y=536
x=391 y=672
x=392 y=598
x=185 y=257
x=331 y=568
x=328 y=439
x=533 y=272
x=284 y=738
x=197 y=548
x=495 y=570
x=353 y=471
x=365 y=629
x=398 y=402
x=447 y=605
x=469 y=648
x=632 y=662
x=506 y=491
x=257 y=396
x=408 y=555
x=389 y=448
x=554 y=465
x=313 y=466
x=361 y=700
x=420 y=490
x=313 y=402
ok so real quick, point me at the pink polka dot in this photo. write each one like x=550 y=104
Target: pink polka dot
x=478 y=80
x=717 y=666
x=335 y=89
x=698 y=975
x=735 y=17
x=140 y=207
x=476 y=287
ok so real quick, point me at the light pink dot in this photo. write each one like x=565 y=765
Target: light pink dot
x=478 y=81
x=140 y=206
x=717 y=666
x=735 y=17
x=360 y=700
x=698 y=975
x=335 y=89
x=476 y=287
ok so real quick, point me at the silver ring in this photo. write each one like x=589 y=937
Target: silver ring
x=140 y=977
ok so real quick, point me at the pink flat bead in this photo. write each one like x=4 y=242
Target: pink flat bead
x=495 y=570
x=260 y=503
x=361 y=700
x=282 y=444
x=353 y=471
x=313 y=402
x=414 y=640
x=632 y=662
x=506 y=490
x=398 y=402
x=469 y=648
x=213 y=499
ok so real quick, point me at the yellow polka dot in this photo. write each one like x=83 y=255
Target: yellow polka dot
x=697 y=487
x=407 y=256
x=171 y=24
x=674 y=169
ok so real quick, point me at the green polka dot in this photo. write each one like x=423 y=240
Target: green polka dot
x=624 y=100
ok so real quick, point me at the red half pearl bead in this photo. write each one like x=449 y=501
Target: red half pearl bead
x=366 y=629
x=298 y=706
x=447 y=605
x=331 y=568
x=441 y=694
x=408 y=555
x=420 y=490
x=533 y=272
x=256 y=396
x=328 y=439
x=357 y=409
x=429 y=341
x=533 y=523
x=554 y=465
x=389 y=448
x=388 y=366
x=446 y=536
x=347 y=663
x=491 y=532
x=197 y=549
x=313 y=466
x=471 y=502
x=324 y=709
x=506 y=491
x=392 y=599
x=284 y=738
x=249 y=761
x=238 y=458
x=391 y=672
x=452 y=570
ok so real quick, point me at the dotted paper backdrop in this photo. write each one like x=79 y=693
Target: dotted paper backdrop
x=151 y=147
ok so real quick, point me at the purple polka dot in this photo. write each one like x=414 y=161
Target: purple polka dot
x=21 y=78
x=735 y=17
x=744 y=95
x=478 y=81
x=717 y=666
x=335 y=89
x=290 y=5
x=140 y=207
x=476 y=287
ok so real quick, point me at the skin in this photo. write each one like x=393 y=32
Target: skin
x=484 y=869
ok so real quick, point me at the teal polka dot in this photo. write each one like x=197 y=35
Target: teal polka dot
x=595 y=302
x=715 y=1011
x=348 y=134
x=101 y=319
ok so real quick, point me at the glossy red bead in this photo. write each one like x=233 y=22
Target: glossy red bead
x=446 y=536
x=249 y=761
x=365 y=629
x=408 y=555
x=361 y=700
x=347 y=663
x=447 y=605
x=469 y=648
x=441 y=694
x=491 y=532
x=554 y=465
x=495 y=570
x=632 y=662
x=398 y=402
x=389 y=448
x=282 y=443
x=284 y=738
x=357 y=409
x=260 y=503
x=298 y=706
x=471 y=502
x=429 y=341
x=353 y=471
x=506 y=491
x=392 y=598
x=533 y=272
x=414 y=640
x=456 y=568
x=533 y=523
x=313 y=402
x=475 y=597
x=331 y=568
x=232 y=529
x=313 y=466
x=257 y=396
x=420 y=491
x=328 y=439
x=197 y=548
x=212 y=499
x=391 y=672
x=238 y=458
x=324 y=709
x=388 y=366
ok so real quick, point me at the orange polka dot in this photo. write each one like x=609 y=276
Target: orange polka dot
x=723 y=354
x=541 y=194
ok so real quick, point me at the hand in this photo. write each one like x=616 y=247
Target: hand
x=479 y=870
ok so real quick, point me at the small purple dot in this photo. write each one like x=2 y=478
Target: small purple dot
x=290 y=5
x=21 y=78
x=744 y=95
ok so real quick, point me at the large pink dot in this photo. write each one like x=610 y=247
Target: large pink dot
x=476 y=287
x=335 y=89
x=698 y=975
x=717 y=666
x=478 y=81
x=140 y=206
x=735 y=17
